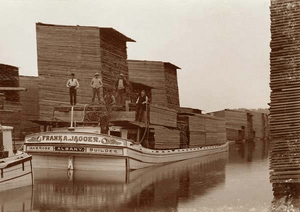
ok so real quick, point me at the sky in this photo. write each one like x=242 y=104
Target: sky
x=221 y=46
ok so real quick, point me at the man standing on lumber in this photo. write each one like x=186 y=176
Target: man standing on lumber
x=141 y=106
x=73 y=85
x=96 y=84
x=120 y=89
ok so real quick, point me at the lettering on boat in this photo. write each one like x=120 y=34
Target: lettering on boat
x=75 y=139
x=105 y=151
x=39 y=148
x=69 y=149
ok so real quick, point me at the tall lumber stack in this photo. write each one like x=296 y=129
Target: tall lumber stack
x=30 y=104
x=285 y=92
x=10 y=111
x=81 y=50
x=161 y=76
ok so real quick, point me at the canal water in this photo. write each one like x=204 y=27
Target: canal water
x=233 y=181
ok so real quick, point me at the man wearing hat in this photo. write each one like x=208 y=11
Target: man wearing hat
x=120 y=89
x=72 y=84
x=96 y=84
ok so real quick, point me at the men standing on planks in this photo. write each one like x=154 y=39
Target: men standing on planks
x=96 y=84
x=121 y=85
x=141 y=106
x=73 y=84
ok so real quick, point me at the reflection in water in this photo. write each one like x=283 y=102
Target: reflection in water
x=193 y=185
x=153 y=189
x=16 y=200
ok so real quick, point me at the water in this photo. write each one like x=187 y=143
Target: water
x=234 y=181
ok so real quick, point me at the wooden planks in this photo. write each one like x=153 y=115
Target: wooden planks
x=159 y=75
x=285 y=90
x=166 y=138
x=162 y=116
x=63 y=50
x=203 y=130
x=244 y=124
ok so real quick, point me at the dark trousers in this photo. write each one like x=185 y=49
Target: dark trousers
x=140 y=109
x=120 y=96
x=73 y=93
x=96 y=91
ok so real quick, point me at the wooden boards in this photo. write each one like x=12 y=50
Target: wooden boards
x=242 y=125
x=63 y=50
x=284 y=75
x=203 y=130
x=159 y=75
x=285 y=92
x=162 y=116
x=166 y=138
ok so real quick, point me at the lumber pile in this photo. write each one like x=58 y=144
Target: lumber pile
x=162 y=116
x=285 y=92
x=166 y=138
x=203 y=130
x=161 y=76
x=62 y=50
x=9 y=77
x=183 y=128
x=11 y=115
x=30 y=104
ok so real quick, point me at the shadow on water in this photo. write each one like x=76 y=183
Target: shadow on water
x=153 y=189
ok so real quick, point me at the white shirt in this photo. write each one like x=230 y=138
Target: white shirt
x=96 y=83
x=72 y=83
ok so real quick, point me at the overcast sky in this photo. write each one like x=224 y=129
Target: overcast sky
x=222 y=46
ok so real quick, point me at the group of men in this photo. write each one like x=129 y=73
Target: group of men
x=109 y=99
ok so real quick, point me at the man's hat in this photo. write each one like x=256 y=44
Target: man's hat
x=122 y=75
x=97 y=74
x=72 y=74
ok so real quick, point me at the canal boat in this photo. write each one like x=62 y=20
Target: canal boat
x=86 y=148
x=15 y=167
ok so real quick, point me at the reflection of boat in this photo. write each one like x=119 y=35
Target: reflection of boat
x=15 y=169
x=125 y=191
x=20 y=199
x=84 y=148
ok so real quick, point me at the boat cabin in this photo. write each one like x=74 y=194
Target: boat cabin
x=6 y=144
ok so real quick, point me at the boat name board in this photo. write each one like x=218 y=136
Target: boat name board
x=75 y=139
x=106 y=151
x=40 y=148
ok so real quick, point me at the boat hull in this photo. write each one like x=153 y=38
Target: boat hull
x=15 y=172
x=94 y=151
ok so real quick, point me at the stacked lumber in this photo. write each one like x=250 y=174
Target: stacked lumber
x=285 y=91
x=184 y=134
x=166 y=138
x=11 y=115
x=215 y=128
x=63 y=50
x=162 y=116
x=204 y=130
x=161 y=76
x=260 y=125
x=30 y=104
x=9 y=77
